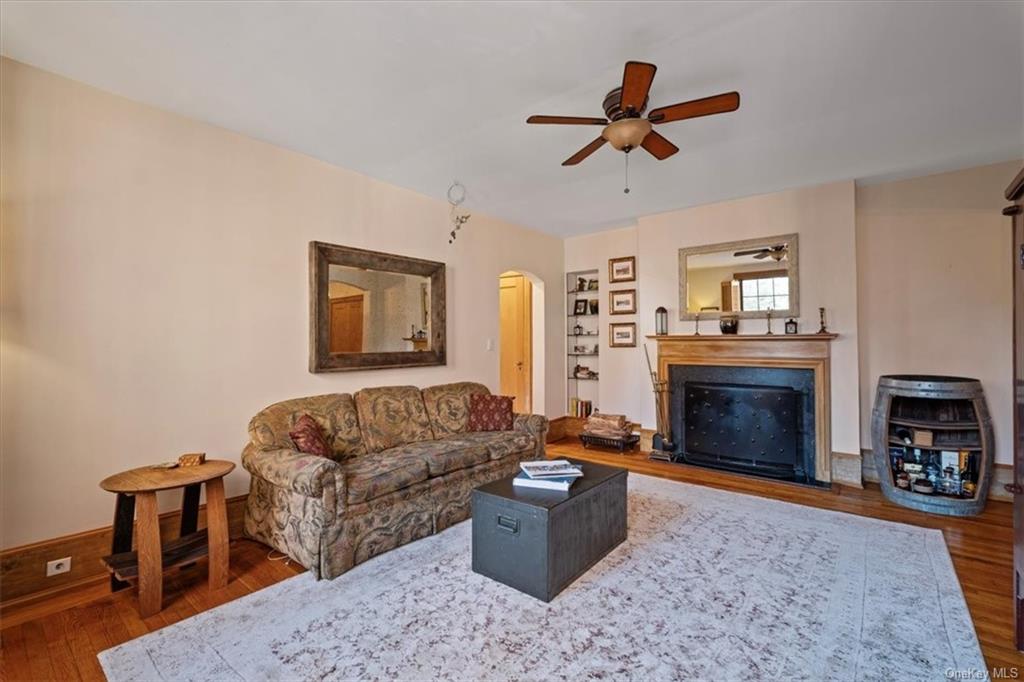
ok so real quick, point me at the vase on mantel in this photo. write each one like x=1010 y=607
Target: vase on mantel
x=729 y=324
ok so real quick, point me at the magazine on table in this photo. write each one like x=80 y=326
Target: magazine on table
x=559 y=483
x=554 y=468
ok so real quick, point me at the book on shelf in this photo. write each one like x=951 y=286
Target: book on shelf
x=551 y=468
x=580 y=408
x=562 y=483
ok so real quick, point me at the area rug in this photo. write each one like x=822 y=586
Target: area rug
x=710 y=585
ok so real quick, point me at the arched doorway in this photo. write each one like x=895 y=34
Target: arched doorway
x=521 y=339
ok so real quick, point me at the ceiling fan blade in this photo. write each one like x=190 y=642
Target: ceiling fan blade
x=747 y=253
x=658 y=146
x=716 y=104
x=569 y=120
x=636 y=82
x=585 y=152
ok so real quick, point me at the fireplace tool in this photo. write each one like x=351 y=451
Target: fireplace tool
x=662 y=446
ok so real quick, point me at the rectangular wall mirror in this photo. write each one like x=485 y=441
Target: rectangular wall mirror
x=742 y=278
x=372 y=310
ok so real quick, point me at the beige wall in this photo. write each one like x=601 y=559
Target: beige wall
x=617 y=390
x=154 y=291
x=934 y=274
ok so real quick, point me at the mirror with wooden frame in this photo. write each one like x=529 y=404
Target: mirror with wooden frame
x=372 y=310
x=740 y=279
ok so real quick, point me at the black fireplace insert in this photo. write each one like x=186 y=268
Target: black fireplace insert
x=743 y=427
x=754 y=420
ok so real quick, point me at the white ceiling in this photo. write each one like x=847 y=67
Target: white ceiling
x=417 y=94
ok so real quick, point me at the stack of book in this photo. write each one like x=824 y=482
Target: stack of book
x=580 y=408
x=554 y=474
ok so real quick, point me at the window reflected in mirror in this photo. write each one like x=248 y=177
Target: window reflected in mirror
x=373 y=311
x=744 y=279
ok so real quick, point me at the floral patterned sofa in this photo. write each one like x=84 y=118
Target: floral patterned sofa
x=404 y=465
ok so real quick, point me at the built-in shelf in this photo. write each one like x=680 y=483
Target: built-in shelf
x=582 y=390
x=921 y=424
x=937 y=446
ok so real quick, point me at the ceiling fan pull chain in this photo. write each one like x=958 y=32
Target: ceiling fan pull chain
x=626 y=190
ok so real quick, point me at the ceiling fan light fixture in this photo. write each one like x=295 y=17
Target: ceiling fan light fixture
x=626 y=133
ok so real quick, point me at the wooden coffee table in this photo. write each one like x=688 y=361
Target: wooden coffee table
x=539 y=541
x=147 y=564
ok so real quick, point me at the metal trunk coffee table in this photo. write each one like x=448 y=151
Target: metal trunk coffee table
x=539 y=541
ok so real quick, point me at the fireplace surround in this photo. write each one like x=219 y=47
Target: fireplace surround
x=764 y=360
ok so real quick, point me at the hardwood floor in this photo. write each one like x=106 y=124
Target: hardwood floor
x=58 y=639
x=981 y=546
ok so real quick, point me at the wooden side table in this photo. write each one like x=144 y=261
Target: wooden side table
x=150 y=560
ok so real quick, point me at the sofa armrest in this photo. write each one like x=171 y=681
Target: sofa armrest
x=292 y=470
x=535 y=425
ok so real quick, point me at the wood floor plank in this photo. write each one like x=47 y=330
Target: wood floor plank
x=39 y=663
x=82 y=650
x=61 y=656
x=14 y=655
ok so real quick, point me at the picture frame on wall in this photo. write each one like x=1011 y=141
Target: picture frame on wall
x=580 y=307
x=622 y=269
x=622 y=335
x=622 y=302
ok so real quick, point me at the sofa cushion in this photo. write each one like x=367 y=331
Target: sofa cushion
x=448 y=406
x=335 y=413
x=376 y=474
x=309 y=438
x=499 y=444
x=443 y=456
x=390 y=416
x=490 y=413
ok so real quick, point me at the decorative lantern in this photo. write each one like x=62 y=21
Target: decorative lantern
x=660 y=321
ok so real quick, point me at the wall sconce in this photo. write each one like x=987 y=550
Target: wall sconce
x=660 y=321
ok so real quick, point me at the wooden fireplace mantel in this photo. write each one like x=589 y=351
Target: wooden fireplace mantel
x=797 y=351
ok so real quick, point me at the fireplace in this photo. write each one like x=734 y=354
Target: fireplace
x=754 y=420
x=773 y=388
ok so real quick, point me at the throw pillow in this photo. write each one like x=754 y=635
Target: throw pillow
x=490 y=412
x=309 y=437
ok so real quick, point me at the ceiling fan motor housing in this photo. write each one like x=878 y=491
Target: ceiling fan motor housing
x=613 y=106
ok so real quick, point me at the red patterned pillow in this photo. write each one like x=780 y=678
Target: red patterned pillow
x=490 y=412
x=309 y=437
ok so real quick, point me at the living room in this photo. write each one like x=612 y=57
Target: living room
x=363 y=232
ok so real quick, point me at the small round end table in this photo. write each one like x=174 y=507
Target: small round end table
x=148 y=563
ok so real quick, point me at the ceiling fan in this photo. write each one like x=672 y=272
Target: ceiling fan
x=624 y=126
x=777 y=252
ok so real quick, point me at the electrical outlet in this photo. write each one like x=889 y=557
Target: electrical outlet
x=58 y=566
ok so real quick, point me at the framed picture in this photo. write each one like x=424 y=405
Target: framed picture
x=622 y=335
x=580 y=307
x=593 y=306
x=622 y=269
x=622 y=302
x=592 y=285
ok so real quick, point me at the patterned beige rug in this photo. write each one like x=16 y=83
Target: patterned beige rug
x=711 y=585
